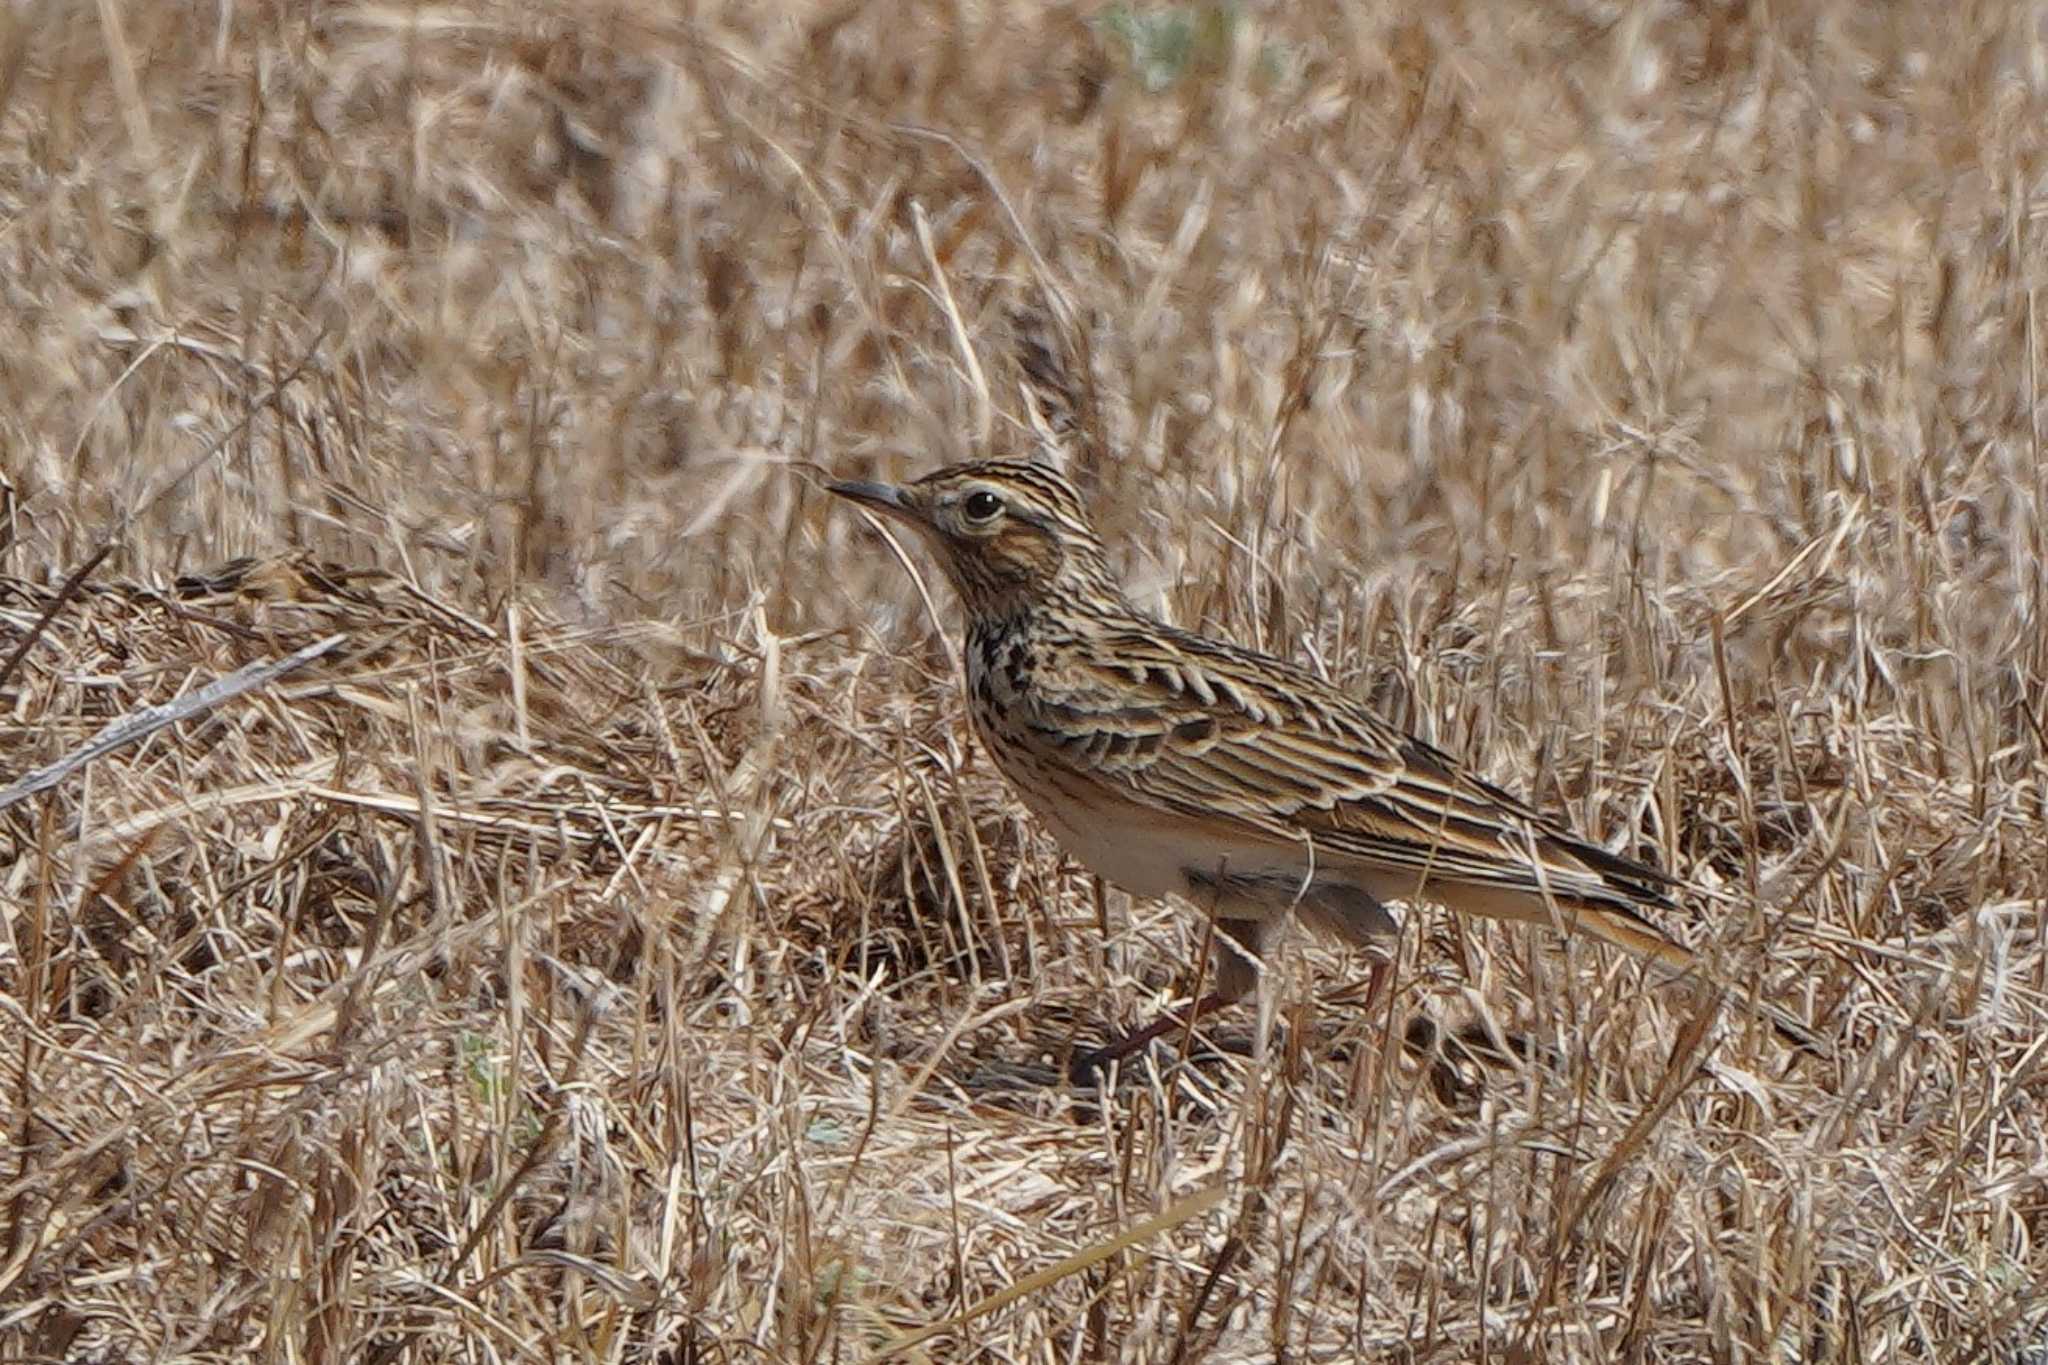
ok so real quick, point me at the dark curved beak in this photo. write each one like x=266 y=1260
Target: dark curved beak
x=882 y=497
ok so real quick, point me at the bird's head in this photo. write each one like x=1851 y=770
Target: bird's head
x=1009 y=534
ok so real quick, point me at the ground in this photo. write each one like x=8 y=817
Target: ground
x=614 y=946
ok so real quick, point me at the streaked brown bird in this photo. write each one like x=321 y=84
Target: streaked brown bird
x=1172 y=764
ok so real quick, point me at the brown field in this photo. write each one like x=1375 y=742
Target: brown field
x=618 y=949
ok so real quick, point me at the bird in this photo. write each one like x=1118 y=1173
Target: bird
x=1176 y=764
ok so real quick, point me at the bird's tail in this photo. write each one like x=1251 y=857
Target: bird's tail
x=1613 y=919
x=1622 y=927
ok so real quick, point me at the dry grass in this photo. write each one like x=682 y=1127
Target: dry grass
x=617 y=949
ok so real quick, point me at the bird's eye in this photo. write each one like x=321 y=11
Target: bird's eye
x=983 y=505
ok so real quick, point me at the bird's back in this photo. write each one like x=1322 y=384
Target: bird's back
x=1257 y=759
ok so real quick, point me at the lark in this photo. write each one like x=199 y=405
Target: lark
x=1172 y=764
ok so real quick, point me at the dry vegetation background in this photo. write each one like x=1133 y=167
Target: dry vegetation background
x=617 y=949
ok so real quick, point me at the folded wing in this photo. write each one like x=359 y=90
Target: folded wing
x=1203 y=729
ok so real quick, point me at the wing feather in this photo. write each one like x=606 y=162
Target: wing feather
x=1274 y=752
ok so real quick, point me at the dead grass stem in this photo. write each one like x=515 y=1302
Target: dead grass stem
x=616 y=948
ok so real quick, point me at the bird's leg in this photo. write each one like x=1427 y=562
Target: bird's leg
x=1237 y=971
x=1376 y=983
x=1087 y=1067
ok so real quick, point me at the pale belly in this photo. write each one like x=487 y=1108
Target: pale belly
x=1126 y=858
x=1144 y=852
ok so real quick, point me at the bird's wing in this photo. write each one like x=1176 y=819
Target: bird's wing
x=1269 y=753
x=1211 y=731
